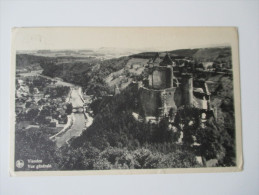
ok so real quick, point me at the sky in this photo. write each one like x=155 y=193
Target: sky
x=139 y=38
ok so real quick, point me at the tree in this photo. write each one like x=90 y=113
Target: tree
x=32 y=114
x=34 y=144
x=145 y=159
x=210 y=147
x=69 y=108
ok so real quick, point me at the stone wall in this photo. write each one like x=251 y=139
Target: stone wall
x=150 y=101
x=168 y=100
x=161 y=78
x=187 y=90
x=159 y=102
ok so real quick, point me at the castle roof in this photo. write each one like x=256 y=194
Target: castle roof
x=166 y=61
x=156 y=59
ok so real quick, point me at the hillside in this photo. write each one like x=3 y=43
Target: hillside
x=26 y=61
x=207 y=54
x=213 y=54
x=184 y=52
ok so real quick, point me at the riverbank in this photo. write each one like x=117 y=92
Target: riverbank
x=70 y=121
x=79 y=121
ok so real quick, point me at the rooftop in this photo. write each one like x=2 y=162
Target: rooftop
x=166 y=61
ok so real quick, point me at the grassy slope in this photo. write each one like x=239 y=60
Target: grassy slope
x=213 y=54
x=209 y=54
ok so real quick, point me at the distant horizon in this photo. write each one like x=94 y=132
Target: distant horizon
x=124 y=48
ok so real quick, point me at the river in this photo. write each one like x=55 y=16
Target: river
x=79 y=120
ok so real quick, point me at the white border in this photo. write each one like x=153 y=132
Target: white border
x=212 y=35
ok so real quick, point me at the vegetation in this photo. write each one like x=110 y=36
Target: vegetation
x=116 y=140
x=34 y=144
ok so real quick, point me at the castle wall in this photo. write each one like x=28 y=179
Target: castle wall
x=150 y=101
x=201 y=103
x=168 y=102
x=187 y=90
x=159 y=102
x=159 y=79
x=171 y=77
x=178 y=97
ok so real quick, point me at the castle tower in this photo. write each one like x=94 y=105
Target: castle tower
x=168 y=63
x=172 y=76
x=187 y=89
x=157 y=99
x=156 y=59
x=204 y=87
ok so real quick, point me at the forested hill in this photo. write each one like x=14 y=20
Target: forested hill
x=202 y=54
x=27 y=61
x=89 y=74
x=82 y=71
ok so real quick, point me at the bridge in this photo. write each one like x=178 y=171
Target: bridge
x=78 y=109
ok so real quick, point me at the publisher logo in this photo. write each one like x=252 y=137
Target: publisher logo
x=19 y=163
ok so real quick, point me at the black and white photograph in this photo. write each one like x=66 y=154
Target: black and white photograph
x=125 y=99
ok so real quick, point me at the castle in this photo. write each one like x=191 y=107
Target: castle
x=162 y=93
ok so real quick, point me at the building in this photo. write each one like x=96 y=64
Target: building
x=163 y=93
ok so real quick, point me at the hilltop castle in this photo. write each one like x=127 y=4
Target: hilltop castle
x=162 y=93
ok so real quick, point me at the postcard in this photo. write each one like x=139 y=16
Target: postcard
x=125 y=100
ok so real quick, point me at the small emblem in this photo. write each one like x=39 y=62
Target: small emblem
x=19 y=163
